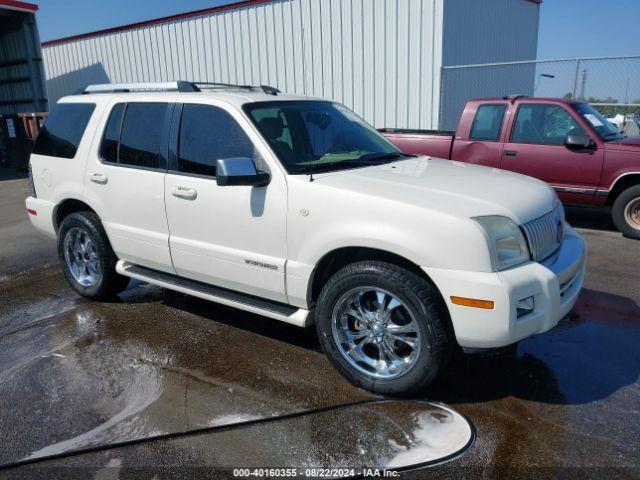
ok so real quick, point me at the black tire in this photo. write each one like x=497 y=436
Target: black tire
x=110 y=282
x=420 y=298
x=618 y=212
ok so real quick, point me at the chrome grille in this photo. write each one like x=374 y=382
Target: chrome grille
x=543 y=235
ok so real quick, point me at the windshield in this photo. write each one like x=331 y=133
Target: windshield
x=601 y=125
x=316 y=136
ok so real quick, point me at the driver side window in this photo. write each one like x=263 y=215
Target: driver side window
x=544 y=124
x=208 y=133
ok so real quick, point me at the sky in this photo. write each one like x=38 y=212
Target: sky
x=588 y=28
x=568 y=28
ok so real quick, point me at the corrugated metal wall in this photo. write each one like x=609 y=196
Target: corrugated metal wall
x=380 y=57
x=21 y=75
x=486 y=32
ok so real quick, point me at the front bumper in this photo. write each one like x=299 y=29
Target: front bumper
x=555 y=285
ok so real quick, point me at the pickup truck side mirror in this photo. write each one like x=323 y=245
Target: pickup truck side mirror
x=579 y=142
x=239 y=171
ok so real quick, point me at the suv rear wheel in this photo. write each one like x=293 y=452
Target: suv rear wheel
x=626 y=212
x=87 y=258
x=383 y=327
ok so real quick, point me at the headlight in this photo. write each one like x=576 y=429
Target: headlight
x=508 y=243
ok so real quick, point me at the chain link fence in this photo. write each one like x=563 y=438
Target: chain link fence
x=612 y=84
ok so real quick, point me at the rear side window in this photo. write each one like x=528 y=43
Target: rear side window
x=111 y=138
x=207 y=134
x=141 y=135
x=63 y=130
x=488 y=122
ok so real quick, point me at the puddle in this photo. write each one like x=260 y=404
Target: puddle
x=378 y=434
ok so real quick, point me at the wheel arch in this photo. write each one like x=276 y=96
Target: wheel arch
x=623 y=182
x=338 y=258
x=67 y=207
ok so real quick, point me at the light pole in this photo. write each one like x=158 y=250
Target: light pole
x=540 y=77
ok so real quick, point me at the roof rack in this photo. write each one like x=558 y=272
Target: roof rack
x=513 y=98
x=178 y=86
x=175 y=86
x=223 y=86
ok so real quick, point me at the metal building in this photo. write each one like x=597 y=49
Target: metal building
x=22 y=87
x=382 y=58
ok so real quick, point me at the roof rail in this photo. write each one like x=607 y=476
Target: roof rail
x=174 y=86
x=513 y=98
x=222 y=86
x=178 y=86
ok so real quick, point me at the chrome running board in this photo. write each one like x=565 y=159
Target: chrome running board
x=260 y=306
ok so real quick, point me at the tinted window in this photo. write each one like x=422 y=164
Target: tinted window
x=544 y=123
x=488 y=123
x=111 y=138
x=206 y=134
x=63 y=130
x=142 y=134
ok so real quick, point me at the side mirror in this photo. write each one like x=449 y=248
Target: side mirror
x=239 y=171
x=578 y=142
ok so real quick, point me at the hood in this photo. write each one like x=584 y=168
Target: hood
x=456 y=188
x=629 y=144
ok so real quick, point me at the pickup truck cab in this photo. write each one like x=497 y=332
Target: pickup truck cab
x=566 y=143
x=296 y=209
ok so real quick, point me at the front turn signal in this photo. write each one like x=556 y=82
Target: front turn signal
x=472 y=302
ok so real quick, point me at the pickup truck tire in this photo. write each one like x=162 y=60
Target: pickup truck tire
x=383 y=327
x=86 y=256
x=626 y=212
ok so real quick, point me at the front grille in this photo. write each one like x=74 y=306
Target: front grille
x=544 y=235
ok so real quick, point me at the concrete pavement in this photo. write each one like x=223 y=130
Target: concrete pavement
x=77 y=374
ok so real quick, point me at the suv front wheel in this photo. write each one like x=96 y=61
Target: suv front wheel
x=87 y=259
x=383 y=327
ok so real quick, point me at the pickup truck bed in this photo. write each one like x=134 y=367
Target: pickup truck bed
x=432 y=143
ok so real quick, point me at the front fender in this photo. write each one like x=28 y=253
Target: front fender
x=425 y=238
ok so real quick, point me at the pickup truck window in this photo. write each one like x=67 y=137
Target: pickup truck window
x=315 y=136
x=61 y=134
x=209 y=133
x=487 y=123
x=545 y=124
x=603 y=128
x=142 y=134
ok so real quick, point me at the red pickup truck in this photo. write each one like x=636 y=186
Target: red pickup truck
x=566 y=143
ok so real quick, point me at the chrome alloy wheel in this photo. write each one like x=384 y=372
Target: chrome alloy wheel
x=375 y=332
x=82 y=258
x=632 y=213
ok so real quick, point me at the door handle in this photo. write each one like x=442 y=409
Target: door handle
x=184 y=192
x=510 y=153
x=100 y=178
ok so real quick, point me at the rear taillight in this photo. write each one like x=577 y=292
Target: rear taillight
x=32 y=187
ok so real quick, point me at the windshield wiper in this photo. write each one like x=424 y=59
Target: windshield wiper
x=364 y=161
x=376 y=157
x=612 y=133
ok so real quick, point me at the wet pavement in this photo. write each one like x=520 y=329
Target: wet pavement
x=198 y=388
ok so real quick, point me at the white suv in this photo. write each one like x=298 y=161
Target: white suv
x=296 y=209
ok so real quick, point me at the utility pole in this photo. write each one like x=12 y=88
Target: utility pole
x=584 y=84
